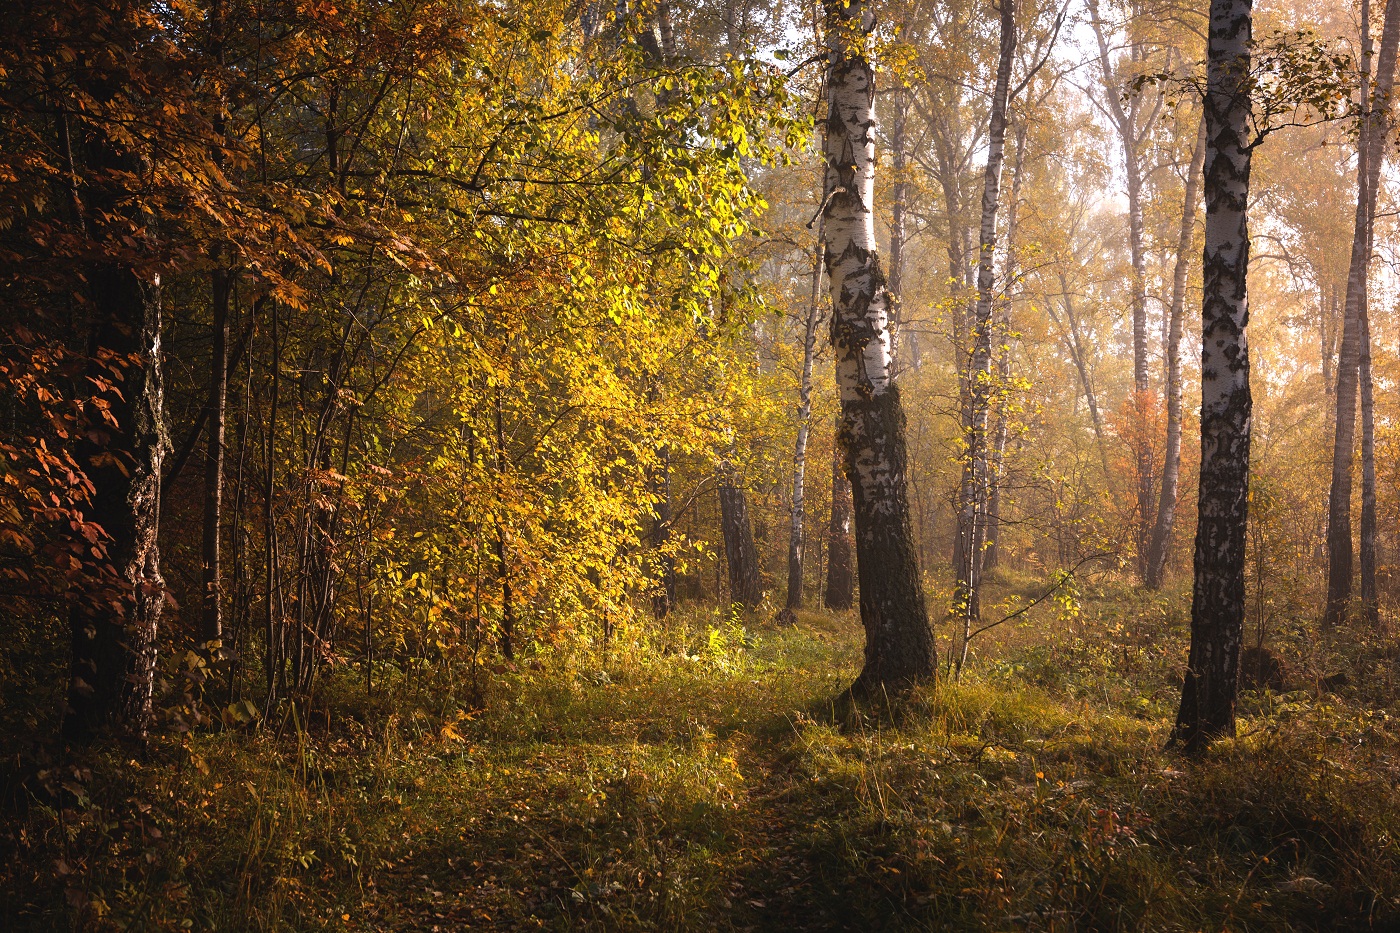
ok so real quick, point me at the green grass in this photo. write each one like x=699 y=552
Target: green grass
x=705 y=781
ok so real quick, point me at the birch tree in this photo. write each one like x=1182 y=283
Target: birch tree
x=967 y=561
x=1207 y=708
x=1133 y=118
x=1171 y=458
x=898 y=642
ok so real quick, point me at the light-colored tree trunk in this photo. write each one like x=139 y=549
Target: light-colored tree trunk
x=904 y=348
x=972 y=496
x=991 y=554
x=1171 y=460
x=804 y=425
x=898 y=642
x=1207 y=708
x=1132 y=125
x=1375 y=126
x=663 y=597
x=211 y=619
x=1074 y=340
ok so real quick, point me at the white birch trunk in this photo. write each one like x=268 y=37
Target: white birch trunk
x=899 y=644
x=1218 y=600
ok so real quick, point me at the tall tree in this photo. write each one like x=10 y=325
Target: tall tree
x=1133 y=119
x=898 y=642
x=1375 y=126
x=992 y=553
x=1207 y=708
x=804 y=426
x=1171 y=458
x=972 y=494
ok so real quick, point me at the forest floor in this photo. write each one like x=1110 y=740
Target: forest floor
x=704 y=780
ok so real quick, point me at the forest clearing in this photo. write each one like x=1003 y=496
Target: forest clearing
x=740 y=465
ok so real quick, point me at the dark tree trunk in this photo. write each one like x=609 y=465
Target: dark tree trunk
x=507 y=634
x=663 y=597
x=1370 y=607
x=840 y=578
x=745 y=584
x=898 y=642
x=114 y=627
x=211 y=624
x=1171 y=461
x=114 y=617
x=1207 y=707
x=1375 y=126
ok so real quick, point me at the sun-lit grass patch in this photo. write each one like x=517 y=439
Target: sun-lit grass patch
x=711 y=781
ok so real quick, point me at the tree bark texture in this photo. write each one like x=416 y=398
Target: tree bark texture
x=799 y=459
x=840 y=576
x=745 y=584
x=114 y=628
x=1375 y=127
x=114 y=616
x=1370 y=606
x=1171 y=460
x=1207 y=707
x=898 y=642
x=972 y=496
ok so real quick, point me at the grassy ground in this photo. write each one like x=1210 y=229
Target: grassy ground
x=706 y=782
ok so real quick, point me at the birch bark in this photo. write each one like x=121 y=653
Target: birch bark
x=898 y=641
x=114 y=630
x=211 y=624
x=1207 y=708
x=804 y=415
x=992 y=553
x=972 y=494
x=114 y=619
